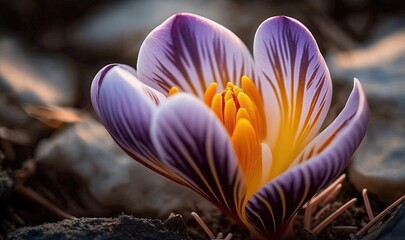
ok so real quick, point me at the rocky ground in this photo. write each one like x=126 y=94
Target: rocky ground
x=54 y=153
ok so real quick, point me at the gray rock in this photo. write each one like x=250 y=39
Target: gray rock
x=391 y=229
x=379 y=65
x=123 y=227
x=113 y=180
x=379 y=164
x=394 y=227
x=30 y=78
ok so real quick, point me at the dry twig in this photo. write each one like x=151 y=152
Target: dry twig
x=28 y=169
x=208 y=231
x=379 y=216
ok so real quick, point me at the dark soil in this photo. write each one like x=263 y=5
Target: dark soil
x=17 y=211
x=123 y=227
x=355 y=216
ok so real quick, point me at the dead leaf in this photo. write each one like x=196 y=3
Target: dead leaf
x=54 y=116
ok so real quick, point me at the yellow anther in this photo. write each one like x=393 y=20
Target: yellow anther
x=173 y=91
x=247 y=97
x=248 y=104
x=248 y=149
x=240 y=109
x=228 y=95
x=237 y=90
x=216 y=106
x=242 y=113
x=210 y=92
x=230 y=115
x=250 y=89
x=229 y=86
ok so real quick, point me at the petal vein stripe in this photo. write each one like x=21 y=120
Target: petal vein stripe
x=300 y=85
x=242 y=132
x=192 y=151
x=190 y=53
x=326 y=157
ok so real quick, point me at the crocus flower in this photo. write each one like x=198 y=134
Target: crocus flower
x=241 y=131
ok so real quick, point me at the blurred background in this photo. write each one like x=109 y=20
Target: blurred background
x=71 y=41
x=51 y=50
x=85 y=36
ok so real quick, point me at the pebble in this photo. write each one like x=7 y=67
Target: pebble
x=86 y=151
x=379 y=64
x=379 y=164
x=28 y=77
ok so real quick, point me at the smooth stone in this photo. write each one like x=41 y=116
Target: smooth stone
x=379 y=64
x=123 y=227
x=391 y=229
x=379 y=164
x=28 y=77
x=111 y=180
x=394 y=227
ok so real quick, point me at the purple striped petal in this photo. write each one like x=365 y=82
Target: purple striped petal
x=98 y=80
x=190 y=52
x=190 y=139
x=125 y=106
x=328 y=135
x=273 y=206
x=299 y=89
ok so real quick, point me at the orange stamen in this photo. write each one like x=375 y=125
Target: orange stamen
x=241 y=111
x=173 y=91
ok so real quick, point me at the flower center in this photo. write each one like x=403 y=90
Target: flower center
x=241 y=111
x=234 y=104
